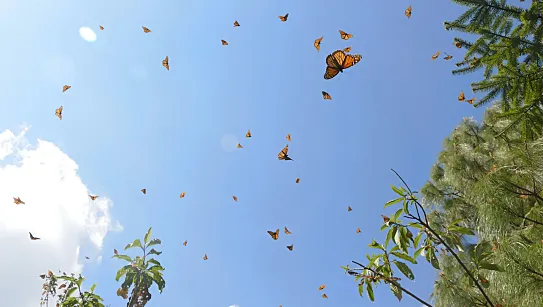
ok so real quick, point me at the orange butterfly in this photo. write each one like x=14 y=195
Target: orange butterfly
x=146 y=30
x=235 y=198
x=297 y=180
x=93 y=197
x=345 y=35
x=471 y=101
x=523 y=196
x=33 y=238
x=283 y=154
x=18 y=201
x=274 y=235
x=239 y=145
x=283 y=18
x=338 y=61
x=185 y=243
x=324 y=295
x=166 y=63
x=288 y=137
x=448 y=57
x=144 y=191
x=290 y=247
x=317 y=43
x=435 y=55
x=182 y=194
x=326 y=96
x=205 y=256
x=248 y=134
x=236 y=23
x=322 y=287
x=349 y=208
x=385 y=218
x=101 y=28
x=461 y=97
x=58 y=112
x=224 y=43
x=458 y=44
x=408 y=12
x=287 y=231
x=65 y=88
x=358 y=230
x=347 y=49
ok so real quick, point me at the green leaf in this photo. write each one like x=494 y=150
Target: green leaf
x=376 y=245
x=406 y=206
x=491 y=266
x=148 y=236
x=361 y=288
x=403 y=239
x=433 y=258
x=124 y=257
x=393 y=201
x=154 y=242
x=153 y=261
x=122 y=271
x=398 y=191
x=397 y=292
x=418 y=252
x=404 y=257
x=154 y=252
x=461 y=230
x=397 y=215
x=92 y=288
x=404 y=269
x=136 y=243
x=390 y=235
x=416 y=241
x=397 y=237
x=369 y=289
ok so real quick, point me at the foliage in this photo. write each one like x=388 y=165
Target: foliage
x=68 y=292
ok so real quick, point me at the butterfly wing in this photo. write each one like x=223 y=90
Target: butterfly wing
x=326 y=96
x=288 y=137
x=408 y=12
x=224 y=43
x=461 y=97
x=317 y=43
x=290 y=247
x=236 y=23
x=330 y=73
x=248 y=135
x=146 y=30
x=347 y=49
x=166 y=63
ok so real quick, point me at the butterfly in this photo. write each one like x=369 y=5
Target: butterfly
x=448 y=57
x=290 y=247
x=326 y=96
x=93 y=197
x=283 y=154
x=385 y=218
x=33 y=238
x=205 y=256
x=101 y=28
x=182 y=194
x=347 y=49
x=458 y=44
x=224 y=43
x=523 y=196
x=435 y=55
x=358 y=230
x=58 y=112
x=321 y=287
x=236 y=23
x=317 y=43
x=274 y=235
x=65 y=88
x=408 y=12
x=115 y=252
x=235 y=198
x=288 y=137
x=166 y=63
x=324 y=295
x=345 y=35
x=146 y=30
x=87 y=257
x=297 y=180
x=461 y=97
x=144 y=191
x=18 y=201
x=471 y=101
x=349 y=208
x=338 y=61
x=248 y=134
x=287 y=231
x=185 y=243
x=283 y=18
x=239 y=145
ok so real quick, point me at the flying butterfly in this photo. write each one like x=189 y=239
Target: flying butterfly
x=321 y=287
x=326 y=96
x=408 y=12
x=448 y=57
x=236 y=23
x=283 y=18
x=18 y=201
x=358 y=230
x=297 y=180
x=101 y=28
x=347 y=49
x=248 y=134
x=324 y=295
x=205 y=257
x=345 y=35
x=65 y=88
x=385 y=218
x=144 y=191
x=224 y=43
x=458 y=44
x=235 y=198
x=146 y=30
x=435 y=55
x=283 y=154
x=185 y=243
x=338 y=61
x=349 y=208
x=92 y=197
x=288 y=137
x=166 y=63
x=317 y=43
x=274 y=235
x=290 y=247
x=471 y=101
x=115 y=252
x=287 y=231
x=58 y=112
x=87 y=257
x=182 y=194
x=239 y=146
x=461 y=97
x=33 y=238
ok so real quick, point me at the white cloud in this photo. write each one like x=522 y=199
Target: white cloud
x=234 y=305
x=57 y=209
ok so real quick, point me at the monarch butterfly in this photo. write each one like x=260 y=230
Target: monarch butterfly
x=166 y=63
x=297 y=180
x=144 y=191
x=474 y=62
x=224 y=43
x=248 y=134
x=239 y=145
x=458 y=44
x=288 y=137
x=18 y=201
x=321 y=287
x=358 y=230
x=385 y=218
x=274 y=235
x=471 y=101
x=58 y=112
x=461 y=97
x=185 y=243
x=283 y=154
x=236 y=23
x=326 y=96
x=146 y=30
x=283 y=18
x=448 y=57
x=435 y=55
x=345 y=35
x=205 y=256
x=87 y=257
x=317 y=43
x=290 y=247
x=287 y=231
x=93 y=197
x=235 y=198
x=349 y=208
x=65 y=88
x=115 y=252
x=101 y=28
x=338 y=61
x=33 y=238
x=523 y=196
x=324 y=295
x=408 y=12
x=182 y=194
x=347 y=49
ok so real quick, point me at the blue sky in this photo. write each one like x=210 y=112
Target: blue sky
x=162 y=131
